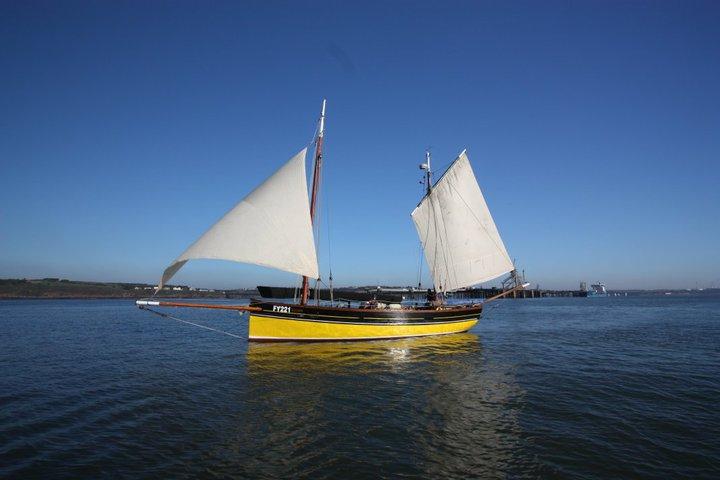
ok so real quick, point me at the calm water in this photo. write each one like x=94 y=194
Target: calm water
x=549 y=388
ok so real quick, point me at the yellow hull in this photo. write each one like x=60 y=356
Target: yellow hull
x=270 y=328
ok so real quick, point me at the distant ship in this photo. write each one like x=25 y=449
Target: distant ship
x=595 y=290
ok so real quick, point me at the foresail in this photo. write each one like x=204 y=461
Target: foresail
x=270 y=227
x=461 y=242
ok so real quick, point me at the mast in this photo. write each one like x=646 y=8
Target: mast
x=315 y=188
x=427 y=179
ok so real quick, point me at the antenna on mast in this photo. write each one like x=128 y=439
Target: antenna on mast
x=428 y=171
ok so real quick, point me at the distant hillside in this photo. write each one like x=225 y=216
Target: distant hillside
x=62 y=288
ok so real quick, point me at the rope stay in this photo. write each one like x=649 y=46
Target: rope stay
x=420 y=246
x=329 y=247
x=165 y=315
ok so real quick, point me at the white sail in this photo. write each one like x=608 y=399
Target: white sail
x=270 y=227
x=461 y=242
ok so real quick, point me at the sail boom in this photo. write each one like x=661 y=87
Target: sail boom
x=477 y=281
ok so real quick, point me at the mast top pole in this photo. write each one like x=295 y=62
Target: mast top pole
x=321 y=129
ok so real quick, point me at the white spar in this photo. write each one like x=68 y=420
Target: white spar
x=147 y=302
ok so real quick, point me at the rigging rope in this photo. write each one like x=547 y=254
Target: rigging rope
x=420 y=263
x=165 y=315
x=327 y=224
x=420 y=247
x=297 y=292
x=319 y=199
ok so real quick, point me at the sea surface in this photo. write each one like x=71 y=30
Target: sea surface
x=600 y=388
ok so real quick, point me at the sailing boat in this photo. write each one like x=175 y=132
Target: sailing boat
x=273 y=227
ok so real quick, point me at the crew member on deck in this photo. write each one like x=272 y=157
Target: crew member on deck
x=431 y=297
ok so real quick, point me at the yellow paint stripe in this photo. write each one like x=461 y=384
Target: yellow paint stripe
x=354 y=338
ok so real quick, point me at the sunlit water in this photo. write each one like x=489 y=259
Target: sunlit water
x=545 y=388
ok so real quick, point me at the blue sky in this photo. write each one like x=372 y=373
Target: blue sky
x=127 y=128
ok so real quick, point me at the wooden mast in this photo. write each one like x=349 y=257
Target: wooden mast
x=315 y=188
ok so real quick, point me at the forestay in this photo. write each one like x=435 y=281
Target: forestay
x=270 y=227
x=461 y=242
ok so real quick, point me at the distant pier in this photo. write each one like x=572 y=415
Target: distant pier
x=526 y=293
x=398 y=294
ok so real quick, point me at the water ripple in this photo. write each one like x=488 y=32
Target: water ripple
x=559 y=388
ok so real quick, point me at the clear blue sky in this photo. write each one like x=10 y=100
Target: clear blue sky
x=127 y=128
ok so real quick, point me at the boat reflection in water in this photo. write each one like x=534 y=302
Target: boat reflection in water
x=371 y=355
x=428 y=406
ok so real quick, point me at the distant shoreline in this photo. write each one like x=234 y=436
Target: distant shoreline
x=185 y=297
x=62 y=289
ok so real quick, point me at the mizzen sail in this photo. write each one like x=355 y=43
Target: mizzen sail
x=461 y=242
x=270 y=227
